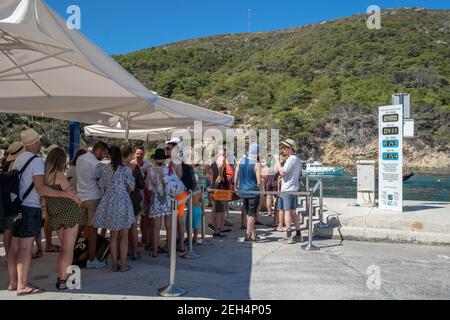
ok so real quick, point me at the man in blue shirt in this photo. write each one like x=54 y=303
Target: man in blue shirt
x=248 y=178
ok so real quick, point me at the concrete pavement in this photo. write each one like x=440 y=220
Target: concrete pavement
x=230 y=269
x=421 y=222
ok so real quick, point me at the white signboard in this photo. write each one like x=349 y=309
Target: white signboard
x=390 y=189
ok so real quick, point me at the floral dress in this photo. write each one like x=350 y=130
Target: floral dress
x=161 y=202
x=115 y=210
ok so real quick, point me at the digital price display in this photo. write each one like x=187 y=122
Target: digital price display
x=390 y=156
x=390 y=144
x=390 y=131
x=390 y=118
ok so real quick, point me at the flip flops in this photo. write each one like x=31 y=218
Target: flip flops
x=54 y=248
x=30 y=292
x=128 y=268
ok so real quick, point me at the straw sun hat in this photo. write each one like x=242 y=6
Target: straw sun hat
x=29 y=137
x=15 y=150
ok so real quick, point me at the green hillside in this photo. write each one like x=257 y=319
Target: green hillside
x=317 y=83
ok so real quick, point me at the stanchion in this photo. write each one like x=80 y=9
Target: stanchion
x=172 y=290
x=323 y=221
x=190 y=254
x=310 y=246
x=204 y=241
x=307 y=197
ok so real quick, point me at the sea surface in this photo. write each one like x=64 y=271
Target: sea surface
x=424 y=186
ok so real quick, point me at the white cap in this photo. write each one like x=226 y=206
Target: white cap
x=176 y=141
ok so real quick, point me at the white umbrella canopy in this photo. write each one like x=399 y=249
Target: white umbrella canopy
x=49 y=70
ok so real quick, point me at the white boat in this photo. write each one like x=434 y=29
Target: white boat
x=316 y=168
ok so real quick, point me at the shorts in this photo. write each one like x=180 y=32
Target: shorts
x=87 y=211
x=269 y=183
x=220 y=206
x=28 y=223
x=6 y=223
x=287 y=202
x=182 y=206
x=251 y=206
x=196 y=217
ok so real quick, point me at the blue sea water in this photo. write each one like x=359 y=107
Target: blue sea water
x=424 y=186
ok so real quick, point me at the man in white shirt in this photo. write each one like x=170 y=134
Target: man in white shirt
x=89 y=193
x=27 y=225
x=290 y=182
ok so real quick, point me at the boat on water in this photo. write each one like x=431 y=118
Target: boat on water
x=317 y=168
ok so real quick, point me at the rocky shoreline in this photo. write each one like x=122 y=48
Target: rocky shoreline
x=414 y=157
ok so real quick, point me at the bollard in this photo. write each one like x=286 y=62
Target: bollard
x=204 y=241
x=172 y=290
x=190 y=254
x=323 y=223
x=310 y=246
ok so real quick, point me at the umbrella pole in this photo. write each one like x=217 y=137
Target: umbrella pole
x=127 y=128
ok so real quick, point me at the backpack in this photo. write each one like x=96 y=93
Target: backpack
x=80 y=253
x=188 y=178
x=10 y=185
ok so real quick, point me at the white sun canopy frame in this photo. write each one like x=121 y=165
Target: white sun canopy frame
x=49 y=70
x=143 y=134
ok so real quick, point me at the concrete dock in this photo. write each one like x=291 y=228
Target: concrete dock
x=421 y=222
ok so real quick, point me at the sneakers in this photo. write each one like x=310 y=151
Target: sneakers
x=211 y=227
x=288 y=240
x=96 y=264
x=219 y=235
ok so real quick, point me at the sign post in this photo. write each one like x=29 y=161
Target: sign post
x=390 y=190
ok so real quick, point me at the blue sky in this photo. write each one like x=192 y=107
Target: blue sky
x=121 y=26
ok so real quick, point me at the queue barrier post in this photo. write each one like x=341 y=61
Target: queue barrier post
x=203 y=222
x=323 y=221
x=190 y=254
x=172 y=290
x=310 y=246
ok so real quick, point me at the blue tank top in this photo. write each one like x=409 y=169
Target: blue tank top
x=247 y=177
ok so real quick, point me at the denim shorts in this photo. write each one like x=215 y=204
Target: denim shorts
x=287 y=202
x=28 y=224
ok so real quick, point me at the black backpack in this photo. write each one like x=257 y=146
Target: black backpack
x=80 y=253
x=188 y=178
x=10 y=185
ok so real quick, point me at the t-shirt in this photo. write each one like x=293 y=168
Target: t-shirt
x=72 y=176
x=35 y=168
x=87 y=177
x=291 y=181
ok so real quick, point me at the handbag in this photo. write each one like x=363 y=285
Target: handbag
x=173 y=184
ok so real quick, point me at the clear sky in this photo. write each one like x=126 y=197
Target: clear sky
x=121 y=26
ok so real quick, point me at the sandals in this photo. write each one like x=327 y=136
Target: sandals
x=54 y=248
x=30 y=292
x=37 y=255
x=128 y=268
x=61 y=284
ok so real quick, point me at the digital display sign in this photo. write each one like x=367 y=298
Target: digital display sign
x=390 y=144
x=390 y=118
x=390 y=156
x=390 y=131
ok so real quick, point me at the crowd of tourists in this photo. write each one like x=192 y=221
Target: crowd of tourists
x=113 y=191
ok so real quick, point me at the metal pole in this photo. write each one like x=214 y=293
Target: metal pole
x=310 y=246
x=307 y=189
x=204 y=241
x=172 y=290
x=323 y=221
x=190 y=254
